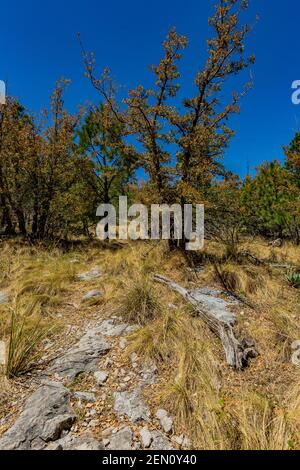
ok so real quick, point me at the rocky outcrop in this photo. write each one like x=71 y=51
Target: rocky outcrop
x=83 y=443
x=46 y=415
x=83 y=357
x=131 y=405
x=47 y=421
x=121 y=440
x=114 y=328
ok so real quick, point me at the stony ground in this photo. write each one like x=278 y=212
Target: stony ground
x=94 y=384
x=92 y=397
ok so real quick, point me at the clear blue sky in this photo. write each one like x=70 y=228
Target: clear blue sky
x=38 y=45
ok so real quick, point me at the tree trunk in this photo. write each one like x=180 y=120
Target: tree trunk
x=21 y=221
x=6 y=218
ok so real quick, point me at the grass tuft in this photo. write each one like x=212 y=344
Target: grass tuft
x=140 y=303
x=23 y=344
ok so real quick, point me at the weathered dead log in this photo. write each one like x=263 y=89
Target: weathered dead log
x=221 y=321
x=263 y=262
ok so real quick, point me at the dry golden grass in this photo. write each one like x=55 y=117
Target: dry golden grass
x=216 y=407
x=140 y=303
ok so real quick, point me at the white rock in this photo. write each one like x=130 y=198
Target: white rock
x=54 y=446
x=132 y=405
x=160 y=442
x=100 y=377
x=83 y=357
x=295 y=345
x=93 y=294
x=172 y=306
x=165 y=420
x=90 y=275
x=146 y=437
x=123 y=343
x=109 y=328
x=108 y=431
x=85 y=396
x=149 y=373
x=84 y=443
x=46 y=415
x=122 y=440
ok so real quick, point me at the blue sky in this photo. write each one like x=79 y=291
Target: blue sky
x=38 y=45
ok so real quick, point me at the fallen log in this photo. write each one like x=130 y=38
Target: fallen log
x=263 y=262
x=221 y=321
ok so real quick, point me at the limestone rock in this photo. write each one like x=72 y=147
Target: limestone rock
x=85 y=443
x=54 y=446
x=160 y=442
x=122 y=440
x=109 y=328
x=93 y=294
x=90 y=275
x=100 y=377
x=85 y=396
x=83 y=357
x=47 y=413
x=53 y=427
x=132 y=405
x=106 y=442
x=165 y=420
x=146 y=437
x=149 y=373
x=94 y=423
